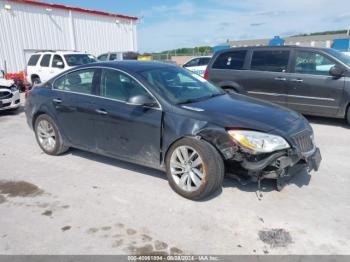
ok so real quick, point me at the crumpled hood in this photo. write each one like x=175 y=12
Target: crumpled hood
x=6 y=83
x=239 y=111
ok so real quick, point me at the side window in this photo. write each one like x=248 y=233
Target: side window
x=119 y=86
x=103 y=57
x=33 y=60
x=79 y=81
x=273 y=61
x=230 y=60
x=193 y=62
x=113 y=57
x=57 y=62
x=204 y=61
x=45 y=61
x=312 y=63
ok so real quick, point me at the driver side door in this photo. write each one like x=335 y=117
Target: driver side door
x=311 y=89
x=127 y=131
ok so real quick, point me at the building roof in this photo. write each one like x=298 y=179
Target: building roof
x=77 y=9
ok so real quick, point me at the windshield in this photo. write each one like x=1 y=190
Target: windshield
x=180 y=86
x=339 y=55
x=79 y=59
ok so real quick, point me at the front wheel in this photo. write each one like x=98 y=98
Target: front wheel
x=48 y=136
x=348 y=115
x=195 y=169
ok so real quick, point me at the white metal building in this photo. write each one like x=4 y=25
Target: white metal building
x=27 y=26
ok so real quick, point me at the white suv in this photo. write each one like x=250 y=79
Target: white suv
x=44 y=65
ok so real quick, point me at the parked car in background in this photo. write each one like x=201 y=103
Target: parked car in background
x=9 y=94
x=119 y=56
x=198 y=65
x=163 y=116
x=312 y=81
x=44 y=65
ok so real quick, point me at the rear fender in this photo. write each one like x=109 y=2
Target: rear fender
x=231 y=84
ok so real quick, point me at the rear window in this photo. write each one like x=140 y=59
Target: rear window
x=204 y=61
x=230 y=60
x=33 y=60
x=273 y=61
x=45 y=61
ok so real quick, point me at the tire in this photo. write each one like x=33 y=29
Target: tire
x=49 y=148
x=212 y=169
x=230 y=90
x=348 y=115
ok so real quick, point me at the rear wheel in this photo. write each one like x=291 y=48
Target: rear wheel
x=229 y=89
x=48 y=136
x=348 y=115
x=195 y=169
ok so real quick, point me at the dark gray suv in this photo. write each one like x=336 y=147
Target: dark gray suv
x=313 y=81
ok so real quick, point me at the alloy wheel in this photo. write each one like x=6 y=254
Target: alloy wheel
x=187 y=169
x=46 y=135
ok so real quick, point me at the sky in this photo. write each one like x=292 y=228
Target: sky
x=169 y=24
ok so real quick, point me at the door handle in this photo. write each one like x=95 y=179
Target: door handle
x=57 y=100
x=280 y=79
x=297 y=80
x=101 y=111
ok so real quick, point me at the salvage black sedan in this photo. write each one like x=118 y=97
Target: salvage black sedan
x=166 y=117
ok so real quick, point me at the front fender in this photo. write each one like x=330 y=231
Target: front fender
x=177 y=126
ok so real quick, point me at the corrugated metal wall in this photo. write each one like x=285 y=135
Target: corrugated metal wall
x=26 y=28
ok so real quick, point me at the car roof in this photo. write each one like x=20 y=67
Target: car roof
x=131 y=65
x=60 y=52
x=272 y=47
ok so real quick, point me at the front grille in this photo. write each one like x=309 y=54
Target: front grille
x=304 y=141
x=5 y=104
x=5 y=95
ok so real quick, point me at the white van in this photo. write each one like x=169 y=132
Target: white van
x=44 y=65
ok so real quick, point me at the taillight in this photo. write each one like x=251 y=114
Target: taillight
x=27 y=94
x=206 y=74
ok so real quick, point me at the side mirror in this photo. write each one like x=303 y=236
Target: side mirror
x=142 y=100
x=336 y=71
x=60 y=64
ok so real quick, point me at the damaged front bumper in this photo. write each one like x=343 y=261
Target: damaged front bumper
x=272 y=165
x=278 y=165
x=9 y=99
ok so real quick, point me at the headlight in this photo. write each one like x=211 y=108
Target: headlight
x=257 y=142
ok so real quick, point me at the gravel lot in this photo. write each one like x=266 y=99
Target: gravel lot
x=82 y=203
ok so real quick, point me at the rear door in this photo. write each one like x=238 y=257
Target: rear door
x=72 y=96
x=268 y=75
x=127 y=131
x=44 y=67
x=311 y=89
